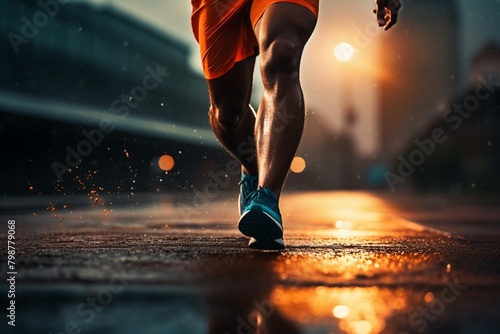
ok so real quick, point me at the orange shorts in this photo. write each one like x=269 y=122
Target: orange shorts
x=224 y=30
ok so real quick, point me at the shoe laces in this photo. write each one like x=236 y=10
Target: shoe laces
x=248 y=183
x=264 y=196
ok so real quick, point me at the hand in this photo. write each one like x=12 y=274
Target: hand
x=387 y=12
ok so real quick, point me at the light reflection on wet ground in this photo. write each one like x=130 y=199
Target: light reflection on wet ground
x=353 y=265
x=351 y=310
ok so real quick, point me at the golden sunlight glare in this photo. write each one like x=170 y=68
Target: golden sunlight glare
x=344 y=52
x=341 y=311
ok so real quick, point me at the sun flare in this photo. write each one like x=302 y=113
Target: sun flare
x=344 y=52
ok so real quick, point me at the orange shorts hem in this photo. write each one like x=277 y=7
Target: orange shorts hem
x=260 y=7
x=224 y=30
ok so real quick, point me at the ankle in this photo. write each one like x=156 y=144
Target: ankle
x=247 y=172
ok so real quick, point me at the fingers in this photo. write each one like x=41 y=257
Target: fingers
x=392 y=21
x=381 y=13
x=387 y=13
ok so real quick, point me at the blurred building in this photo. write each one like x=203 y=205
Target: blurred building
x=468 y=158
x=67 y=67
x=420 y=58
x=485 y=63
x=90 y=55
x=332 y=160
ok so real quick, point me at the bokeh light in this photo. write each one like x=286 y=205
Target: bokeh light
x=166 y=162
x=298 y=165
x=341 y=311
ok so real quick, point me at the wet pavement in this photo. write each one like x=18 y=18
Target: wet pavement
x=356 y=262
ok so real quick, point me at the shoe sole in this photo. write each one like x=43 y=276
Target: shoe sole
x=258 y=224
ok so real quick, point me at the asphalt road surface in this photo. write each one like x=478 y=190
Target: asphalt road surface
x=355 y=262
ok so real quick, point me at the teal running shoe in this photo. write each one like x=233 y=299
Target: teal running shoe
x=261 y=220
x=248 y=185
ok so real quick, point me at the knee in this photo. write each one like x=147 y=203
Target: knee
x=280 y=61
x=226 y=113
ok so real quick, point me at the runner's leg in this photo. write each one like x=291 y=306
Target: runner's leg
x=230 y=116
x=282 y=33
